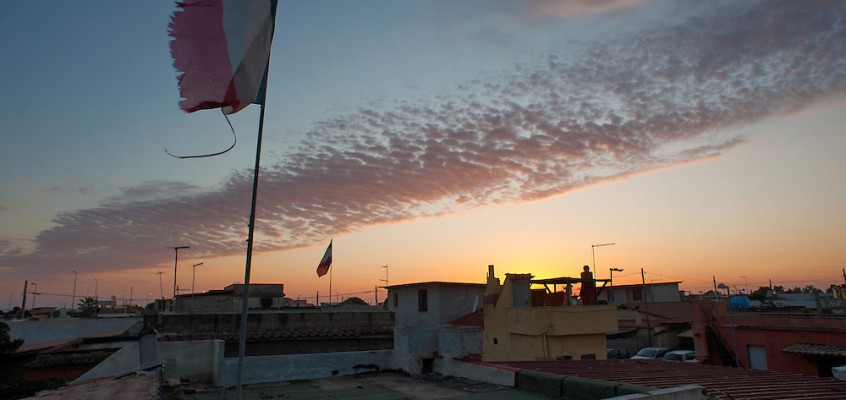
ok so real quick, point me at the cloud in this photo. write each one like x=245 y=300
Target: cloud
x=572 y=8
x=613 y=109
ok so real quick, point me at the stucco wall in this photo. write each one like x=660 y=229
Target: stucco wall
x=532 y=333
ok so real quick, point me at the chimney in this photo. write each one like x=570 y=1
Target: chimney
x=493 y=287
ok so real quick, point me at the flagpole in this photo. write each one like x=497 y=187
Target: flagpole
x=330 y=285
x=242 y=337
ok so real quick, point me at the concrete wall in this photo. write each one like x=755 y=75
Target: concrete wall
x=302 y=366
x=259 y=321
x=412 y=345
x=498 y=375
x=459 y=341
x=41 y=331
x=198 y=360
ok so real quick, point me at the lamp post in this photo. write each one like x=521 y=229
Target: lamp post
x=193 y=278
x=34 y=292
x=73 y=296
x=175 y=261
x=611 y=281
x=96 y=297
x=593 y=252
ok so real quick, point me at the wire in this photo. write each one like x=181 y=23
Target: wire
x=235 y=140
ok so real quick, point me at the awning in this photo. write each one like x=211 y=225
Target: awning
x=686 y=334
x=819 y=350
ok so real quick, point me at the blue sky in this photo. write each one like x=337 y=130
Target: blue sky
x=434 y=136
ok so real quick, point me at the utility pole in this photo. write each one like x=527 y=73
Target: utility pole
x=161 y=288
x=23 y=300
x=73 y=296
x=715 y=286
x=646 y=306
x=376 y=294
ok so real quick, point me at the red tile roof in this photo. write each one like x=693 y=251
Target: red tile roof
x=473 y=319
x=722 y=383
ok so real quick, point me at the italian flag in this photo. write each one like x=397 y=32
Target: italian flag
x=221 y=48
x=325 y=262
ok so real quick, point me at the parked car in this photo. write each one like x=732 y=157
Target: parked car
x=651 y=353
x=616 y=353
x=680 y=356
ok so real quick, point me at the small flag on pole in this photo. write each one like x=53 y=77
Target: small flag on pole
x=222 y=49
x=323 y=267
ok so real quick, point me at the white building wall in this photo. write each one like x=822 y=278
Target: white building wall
x=418 y=335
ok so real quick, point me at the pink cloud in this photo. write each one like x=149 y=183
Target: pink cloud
x=614 y=109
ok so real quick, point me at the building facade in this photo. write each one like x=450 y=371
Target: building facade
x=522 y=324
x=423 y=313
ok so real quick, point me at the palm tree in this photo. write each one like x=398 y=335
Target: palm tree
x=89 y=306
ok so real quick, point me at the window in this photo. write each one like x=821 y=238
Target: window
x=637 y=294
x=422 y=300
x=396 y=300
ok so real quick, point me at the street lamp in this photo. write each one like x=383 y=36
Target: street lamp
x=96 y=297
x=193 y=277
x=34 y=293
x=175 y=260
x=73 y=296
x=593 y=252
x=611 y=281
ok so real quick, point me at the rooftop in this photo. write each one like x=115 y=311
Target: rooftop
x=720 y=383
x=374 y=385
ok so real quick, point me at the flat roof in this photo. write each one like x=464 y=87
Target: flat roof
x=482 y=285
x=374 y=385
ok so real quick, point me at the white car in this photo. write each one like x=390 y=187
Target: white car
x=680 y=356
x=651 y=353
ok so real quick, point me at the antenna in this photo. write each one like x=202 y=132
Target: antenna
x=386 y=275
x=161 y=288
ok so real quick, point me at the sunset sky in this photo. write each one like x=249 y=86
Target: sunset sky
x=703 y=139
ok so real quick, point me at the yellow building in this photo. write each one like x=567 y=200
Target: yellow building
x=524 y=324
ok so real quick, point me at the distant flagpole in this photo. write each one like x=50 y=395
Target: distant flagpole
x=326 y=265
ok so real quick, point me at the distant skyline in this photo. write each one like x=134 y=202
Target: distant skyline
x=703 y=139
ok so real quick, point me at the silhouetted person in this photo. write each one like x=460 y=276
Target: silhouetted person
x=588 y=287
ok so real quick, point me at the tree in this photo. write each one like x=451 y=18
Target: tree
x=762 y=293
x=811 y=289
x=7 y=345
x=355 y=301
x=89 y=306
